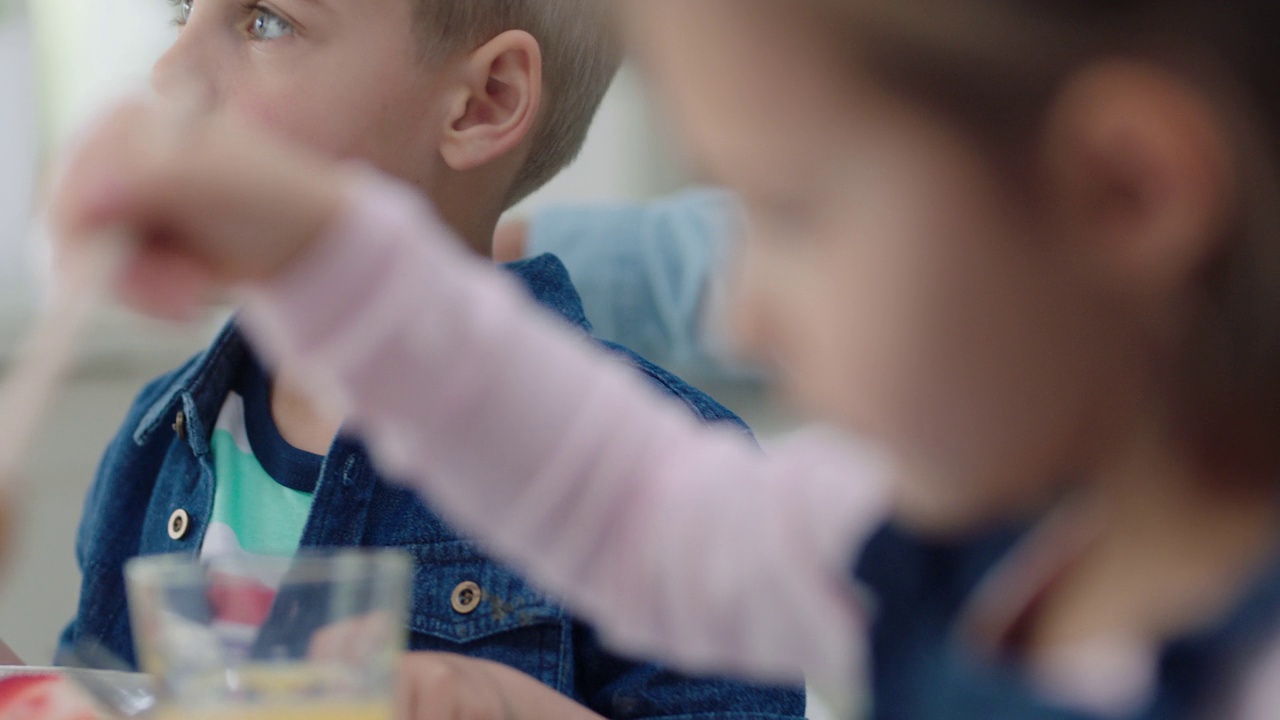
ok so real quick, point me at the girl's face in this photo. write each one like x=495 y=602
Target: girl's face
x=887 y=275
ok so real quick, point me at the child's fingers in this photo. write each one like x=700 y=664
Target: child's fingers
x=119 y=178
x=108 y=173
x=220 y=192
x=355 y=640
x=128 y=160
x=166 y=285
x=97 y=201
x=442 y=686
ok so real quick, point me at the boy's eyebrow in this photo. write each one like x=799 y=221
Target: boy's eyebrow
x=318 y=4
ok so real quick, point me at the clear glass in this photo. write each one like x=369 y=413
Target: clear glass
x=315 y=636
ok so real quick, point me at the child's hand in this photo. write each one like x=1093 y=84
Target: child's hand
x=211 y=200
x=436 y=686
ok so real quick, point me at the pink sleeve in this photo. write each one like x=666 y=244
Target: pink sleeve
x=679 y=541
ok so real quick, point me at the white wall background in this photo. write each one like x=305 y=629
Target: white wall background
x=18 y=154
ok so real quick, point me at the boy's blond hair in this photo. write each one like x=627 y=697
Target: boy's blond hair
x=580 y=56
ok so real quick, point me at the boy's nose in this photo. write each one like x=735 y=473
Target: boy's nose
x=169 y=78
x=178 y=74
x=190 y=95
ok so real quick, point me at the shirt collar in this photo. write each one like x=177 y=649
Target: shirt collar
x=547 y=279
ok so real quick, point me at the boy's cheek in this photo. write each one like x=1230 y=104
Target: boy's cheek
x=276 y=115
x=248 y=102
x=289 y=111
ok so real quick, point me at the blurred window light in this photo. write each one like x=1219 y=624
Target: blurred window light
x=18 y=154
x=91 y=51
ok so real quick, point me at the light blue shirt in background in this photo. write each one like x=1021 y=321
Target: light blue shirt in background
x=648 y=272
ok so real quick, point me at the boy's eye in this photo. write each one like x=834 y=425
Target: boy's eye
x=266 y=25
x=182 y=11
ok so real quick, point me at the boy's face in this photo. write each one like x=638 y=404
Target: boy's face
x=345 y=77
x=886 y=274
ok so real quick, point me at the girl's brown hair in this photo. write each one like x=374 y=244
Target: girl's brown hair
x=994 y=67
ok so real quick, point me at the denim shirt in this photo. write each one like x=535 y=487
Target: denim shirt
x=922 y=669
x=161 y=463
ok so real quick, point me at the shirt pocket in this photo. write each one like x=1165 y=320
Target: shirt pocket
x=465 y=603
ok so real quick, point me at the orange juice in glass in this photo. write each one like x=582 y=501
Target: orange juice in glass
x=316 y=636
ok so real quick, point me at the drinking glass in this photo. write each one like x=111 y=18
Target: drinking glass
x=316 y=636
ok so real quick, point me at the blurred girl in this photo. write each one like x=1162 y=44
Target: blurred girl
x=1030 y=248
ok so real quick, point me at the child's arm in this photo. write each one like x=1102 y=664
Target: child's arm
x=677 y=540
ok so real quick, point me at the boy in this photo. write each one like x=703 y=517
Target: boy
x=476 y=102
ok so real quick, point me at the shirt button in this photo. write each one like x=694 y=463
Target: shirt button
x=466 y=598
x=179 y=523
x=180 y=425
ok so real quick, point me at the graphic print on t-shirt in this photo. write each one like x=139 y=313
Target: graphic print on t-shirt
x=257 y=520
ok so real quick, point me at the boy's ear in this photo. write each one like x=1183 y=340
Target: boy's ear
x=1139 y=175
x=497 y=104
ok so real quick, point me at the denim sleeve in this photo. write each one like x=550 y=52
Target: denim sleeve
x=621 y=689
x=647 y=272
x=121 y=486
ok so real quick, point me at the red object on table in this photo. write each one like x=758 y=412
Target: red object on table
x=43 y=697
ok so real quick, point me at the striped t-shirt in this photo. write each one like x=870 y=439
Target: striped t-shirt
x=264 y=489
